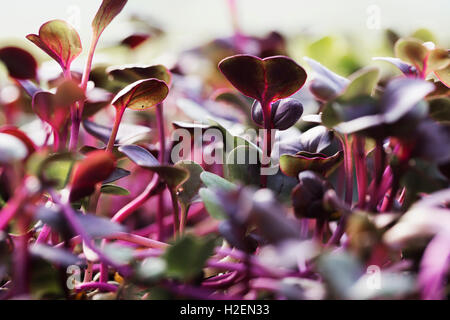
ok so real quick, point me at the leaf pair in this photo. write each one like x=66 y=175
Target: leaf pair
x=265 y=80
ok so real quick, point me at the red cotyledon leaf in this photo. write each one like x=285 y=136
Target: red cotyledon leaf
x=59 y=40
x=20 y=64
x=265 y=80
x=87 y=173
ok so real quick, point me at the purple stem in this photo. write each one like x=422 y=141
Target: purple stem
x=105 y=287
x=162 y=160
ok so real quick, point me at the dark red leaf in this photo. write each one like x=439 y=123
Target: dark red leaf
x=20 y=64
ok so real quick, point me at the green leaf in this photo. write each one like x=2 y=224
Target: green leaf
x=362 y=83
x=214 y=181
x=444 y=75
x=130 y=74
x=440 y=110
x=141 y=95
x=106 y=13
x=292 y=165
x=187 y=257
x=212 y=204
x=112 y=189
x=412 y=51
x=59 y=40
x=188 y=191
x=243 y=166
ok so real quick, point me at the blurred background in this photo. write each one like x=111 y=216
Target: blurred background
x=342 y=35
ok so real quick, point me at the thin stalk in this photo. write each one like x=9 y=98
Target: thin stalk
x=162 y=160
x=112 y=140
x=176 y=213
x=379 y=163
x=153 y=188
x=361 y=172
x=267 y=141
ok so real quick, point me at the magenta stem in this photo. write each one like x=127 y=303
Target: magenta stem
x=152 y=189
x=162 y=160
x=102 y=286
x=112 y=140
x=361 y=170
x=267 y=141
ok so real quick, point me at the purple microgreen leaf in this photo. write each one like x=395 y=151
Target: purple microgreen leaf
x=117 y=174
x=406 y=68
x=401 y=95
x=326 y=84
x=265 y=80
x=285 y=113
x=54 y=255
x=20 y=64
x=59 y=40
x=128 y=133
x=140 y=156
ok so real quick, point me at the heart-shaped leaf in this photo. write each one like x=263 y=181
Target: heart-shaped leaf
x=95 y=168
x=292 y=165
x=141 y=95
x=59 y=40
x=285 y=113
x=130 y=74
x=265 y=80
x=108 y=10
x=20 y=64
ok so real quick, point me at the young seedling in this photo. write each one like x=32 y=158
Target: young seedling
x=266 y=80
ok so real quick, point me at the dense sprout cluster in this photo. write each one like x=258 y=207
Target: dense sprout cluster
x=347 y=196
